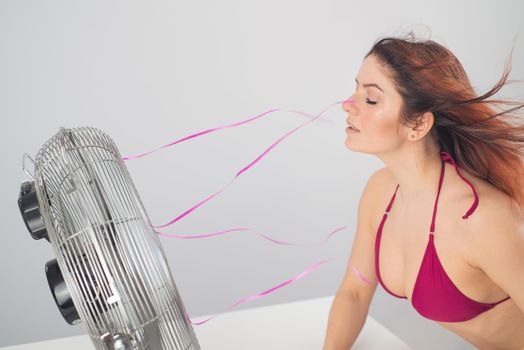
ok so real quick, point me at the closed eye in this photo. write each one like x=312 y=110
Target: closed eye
x=368 y=101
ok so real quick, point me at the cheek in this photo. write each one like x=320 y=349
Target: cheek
x=381 y=127
x=379 y=122
x=387 y=127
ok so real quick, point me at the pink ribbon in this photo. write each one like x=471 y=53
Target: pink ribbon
x=300 y=275
x=360 y=275
x=246 y=229
x=201 y=133
x=262 y=155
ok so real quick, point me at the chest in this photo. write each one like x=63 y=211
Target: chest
x=404 y=239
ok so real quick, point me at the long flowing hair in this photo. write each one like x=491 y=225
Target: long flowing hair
x=484 y=136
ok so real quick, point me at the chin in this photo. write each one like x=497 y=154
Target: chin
x=352 y=146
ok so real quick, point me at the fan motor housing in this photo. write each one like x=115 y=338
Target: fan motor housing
x=61 y=294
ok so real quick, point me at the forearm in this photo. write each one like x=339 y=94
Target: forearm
x=346 y=319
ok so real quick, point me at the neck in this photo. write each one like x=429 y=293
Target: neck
x=416 y=167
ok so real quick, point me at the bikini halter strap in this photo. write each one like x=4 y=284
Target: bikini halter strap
x=446 y=157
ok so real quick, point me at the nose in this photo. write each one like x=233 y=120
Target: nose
x=347 y=104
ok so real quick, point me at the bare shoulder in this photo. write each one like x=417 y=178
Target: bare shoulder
x=496 y=217
x=383 y=173
x=494 y=207
x=383 y=185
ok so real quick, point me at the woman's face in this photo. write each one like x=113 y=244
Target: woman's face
x=373 y=109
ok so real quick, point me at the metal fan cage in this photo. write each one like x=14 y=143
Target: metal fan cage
x=111 y=259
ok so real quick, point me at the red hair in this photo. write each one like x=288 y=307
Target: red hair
x=487 y=143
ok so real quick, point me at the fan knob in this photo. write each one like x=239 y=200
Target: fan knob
x=30 y=210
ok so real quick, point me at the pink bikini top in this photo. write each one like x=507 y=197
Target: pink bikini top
x=435 y=296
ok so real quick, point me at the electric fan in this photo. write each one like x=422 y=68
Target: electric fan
x=110 y=270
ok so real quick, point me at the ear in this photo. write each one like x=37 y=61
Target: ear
x=424 y=124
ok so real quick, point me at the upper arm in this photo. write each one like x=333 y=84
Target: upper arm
x=498 y=250
x=362 y=255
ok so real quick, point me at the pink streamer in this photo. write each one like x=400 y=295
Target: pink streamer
x=246 y=229
x=361 y=276
x=201 y=133
x=243 y=169
x=302 y=274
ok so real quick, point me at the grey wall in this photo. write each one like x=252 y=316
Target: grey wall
x=150 y=72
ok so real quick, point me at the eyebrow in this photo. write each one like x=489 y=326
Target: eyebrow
x=370 y=85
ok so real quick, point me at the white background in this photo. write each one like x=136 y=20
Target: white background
x=151 y=72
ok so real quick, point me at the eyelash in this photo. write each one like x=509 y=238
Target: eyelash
x=368 y=101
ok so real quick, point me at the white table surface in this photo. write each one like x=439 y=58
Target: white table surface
x=296 y=325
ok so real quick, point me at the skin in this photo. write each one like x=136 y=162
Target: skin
x=412 y=159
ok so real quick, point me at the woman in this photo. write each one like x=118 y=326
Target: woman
x=444 y=148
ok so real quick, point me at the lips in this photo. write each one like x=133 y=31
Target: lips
x=352 y=126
